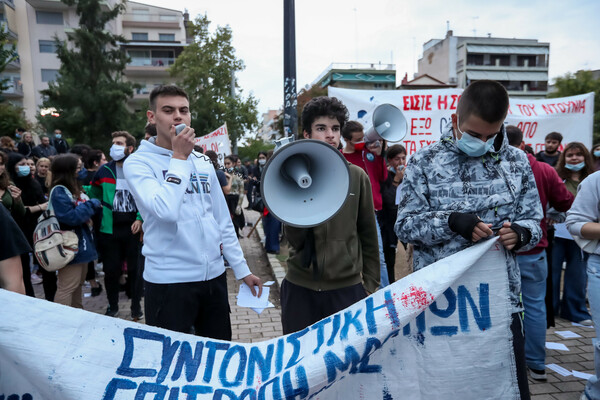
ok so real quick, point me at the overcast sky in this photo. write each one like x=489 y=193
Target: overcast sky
x=389 y=31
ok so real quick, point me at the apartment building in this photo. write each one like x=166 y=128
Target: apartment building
x=521 y=65
x=358 y=76
x=156 y=36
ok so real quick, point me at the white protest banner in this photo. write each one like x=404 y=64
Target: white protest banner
x=440 y=333
x=217 y=141
x=573 y=117
x=428 y=112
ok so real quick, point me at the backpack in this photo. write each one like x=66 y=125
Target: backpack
x=53 y=248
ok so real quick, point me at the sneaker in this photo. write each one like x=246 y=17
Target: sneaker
x=97 y=290
x=112 y=313
x=35 y=279
x=136 y=316
x=537 y=374
x=586 y=322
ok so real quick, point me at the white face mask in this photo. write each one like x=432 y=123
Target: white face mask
x=117 y=152
x=262 y=161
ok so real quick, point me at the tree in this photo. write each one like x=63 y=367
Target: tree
x=11 y=118
x=253 y=147
x=206 y=71
x=304 y=96
x=579 y=83
x=90 y=94
x=8 y=54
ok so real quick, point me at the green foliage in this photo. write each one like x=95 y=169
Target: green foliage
x=8 y=53
x=580 y=82
x=11 y=118
x=303 y=97
x=90 y=94
x=253 y=147
x=205 y=70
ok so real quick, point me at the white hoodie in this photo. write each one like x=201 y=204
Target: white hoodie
x=187 y=227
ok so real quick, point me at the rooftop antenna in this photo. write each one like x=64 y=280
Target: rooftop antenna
x=474 y=28
x=447 y=26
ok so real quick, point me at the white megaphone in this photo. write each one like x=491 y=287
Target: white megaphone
x=305 y=182
x=388 y=124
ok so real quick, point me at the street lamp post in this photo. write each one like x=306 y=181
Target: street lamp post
x=290 y=100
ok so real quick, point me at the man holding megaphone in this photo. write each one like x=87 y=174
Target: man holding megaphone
x=336 y=263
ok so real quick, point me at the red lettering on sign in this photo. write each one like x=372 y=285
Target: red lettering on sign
x=442 y=102
x=528 y=128
x=411 y=146
x=455 y=99
x=420 y=126
x=416 y=297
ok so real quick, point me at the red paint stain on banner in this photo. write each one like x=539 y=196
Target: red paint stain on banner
x=416 y=297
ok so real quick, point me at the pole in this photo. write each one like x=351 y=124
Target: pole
x=290 y=101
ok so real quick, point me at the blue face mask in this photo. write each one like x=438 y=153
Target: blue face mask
x=472 y=146
x=82 y=174
x=58 y=136
x=597 y=154
x=575 y=167
x=23 y=170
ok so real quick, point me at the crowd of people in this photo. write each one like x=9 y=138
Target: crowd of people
x=168 y=217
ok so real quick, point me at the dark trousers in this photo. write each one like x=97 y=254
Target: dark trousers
x=302 y=307
x=49 y=284
x=115 y=250
x=272 y=227
x=549 y=296
x=516 y=328
x=27 y=275
x=201 y=308
x=389 y=253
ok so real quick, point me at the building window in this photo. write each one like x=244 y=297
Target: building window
x=47 y=46
x=139 y=36
x=500 y=60
x=49 y=18
x=141 y=14
x=166 y=37
x=49 y=75
x=474 y=59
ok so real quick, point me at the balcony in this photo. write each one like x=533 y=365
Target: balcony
x=10 y=3
x=147 y=20
x=15 y=88
x=149 y=66
x=5 y=29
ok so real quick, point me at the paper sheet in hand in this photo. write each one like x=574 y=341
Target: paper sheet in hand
x=245 y=298
x=567 y=334
x=556 y=346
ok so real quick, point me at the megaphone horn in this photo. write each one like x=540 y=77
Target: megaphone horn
x=388 y=124
x=305 y=183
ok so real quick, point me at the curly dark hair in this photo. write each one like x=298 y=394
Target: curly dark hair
x=324 y=107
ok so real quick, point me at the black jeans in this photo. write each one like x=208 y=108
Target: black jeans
x=115 y=250
x=302 y=307
x=516 y=328
x=201 y=308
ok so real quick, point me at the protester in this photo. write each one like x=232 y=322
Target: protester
x=334 y=264
x=550 y=153
x=149 y=131
x=7 y=145
x=14 y=244
x=596 y=156
x=224 y=182
x=255 y=174
x=59 y=142
x=10 y=195
x=396 y=158
x=467 y=185
x=35 y=203
x=187 y=228
x=583 y=223
x=44 y=149
x=41 y=173
x=121 y=225
x=533 y=264
x=236 y=193
x=93 y=160
x=73 y=210
x=368 y=156
x=26 y=144
x=574 y=165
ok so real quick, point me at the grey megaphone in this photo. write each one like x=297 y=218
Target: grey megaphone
x=305 y=182
x=388 y=124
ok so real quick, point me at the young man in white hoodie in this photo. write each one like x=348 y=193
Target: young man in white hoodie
x=187 y=228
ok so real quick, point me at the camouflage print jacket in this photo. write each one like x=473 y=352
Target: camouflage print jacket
x=440 y=179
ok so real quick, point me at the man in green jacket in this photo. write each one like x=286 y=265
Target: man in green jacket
x=335 y=264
